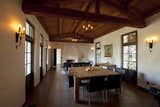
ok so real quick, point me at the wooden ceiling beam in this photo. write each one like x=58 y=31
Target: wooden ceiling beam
x=124 y=10
x=41 y=10
x=76 y=21
x=69 y=41
x=60 y=25
x=97 y=6
x=64 y=37
x=85 y=8
x=60 y=1
x=74 y=35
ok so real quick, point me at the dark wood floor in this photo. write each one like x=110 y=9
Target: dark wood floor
x=53 y=91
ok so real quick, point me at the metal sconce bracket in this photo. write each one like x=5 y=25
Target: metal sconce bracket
x=19 y=36
x=150 y=46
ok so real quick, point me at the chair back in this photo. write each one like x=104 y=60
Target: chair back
x=96 y=84
x=113 y=81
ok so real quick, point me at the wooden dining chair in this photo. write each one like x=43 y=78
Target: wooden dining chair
x=95 y=84
x=112 y=82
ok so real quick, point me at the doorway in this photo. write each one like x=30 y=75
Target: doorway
x=46 y=59
x=58 y=62
x=28 y=69
x=41 y=62
x=57 y=58
x=29 y=60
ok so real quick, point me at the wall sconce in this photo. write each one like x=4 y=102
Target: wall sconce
x=19 y=34
x=49 y=47
x=74 y=40
x=92 y=48
x=150 y=42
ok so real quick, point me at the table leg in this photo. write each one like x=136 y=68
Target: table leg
x=76 y=89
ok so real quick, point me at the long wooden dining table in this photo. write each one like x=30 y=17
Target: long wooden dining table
x=81 y=73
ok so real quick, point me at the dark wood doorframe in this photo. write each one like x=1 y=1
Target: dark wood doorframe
x=130 y=75
x=46 y=59
x=29 y=79
x=41 y=65
x=55 y=57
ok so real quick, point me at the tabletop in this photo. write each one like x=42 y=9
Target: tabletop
x=87 y=72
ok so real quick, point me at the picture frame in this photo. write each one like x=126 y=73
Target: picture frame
x=108 y=50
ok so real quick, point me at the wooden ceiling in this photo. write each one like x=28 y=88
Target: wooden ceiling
x=64 y=19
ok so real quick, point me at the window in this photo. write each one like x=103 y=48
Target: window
x=41 y=51
x=129 y=51
x=47 y=61
x=29 y=30
x=28 y=48
x=28 y=54
x=98 y=53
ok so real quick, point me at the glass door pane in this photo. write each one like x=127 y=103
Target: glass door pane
x=28 y=58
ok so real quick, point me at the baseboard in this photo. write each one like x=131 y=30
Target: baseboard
x=143 y=89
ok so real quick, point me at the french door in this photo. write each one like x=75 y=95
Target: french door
x=46 y=59
x=98 y=53
x=41 y=62
x=28 y=68
x=129 y=56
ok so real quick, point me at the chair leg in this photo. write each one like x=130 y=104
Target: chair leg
x=104 y=93
x=89 y=101
x=108 y=94
x=120 y=89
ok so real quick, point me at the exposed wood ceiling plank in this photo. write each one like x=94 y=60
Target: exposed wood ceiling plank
x=95 y=29
x=109 y=16
x=69 y=41
x=125 y=11
x=97 y=6
x=41 y=10
x=85 y=9
x=77 y=36
x=76 y=21
x=109 y=30
x=60 y=25
x=156 y=10
x=80 y=38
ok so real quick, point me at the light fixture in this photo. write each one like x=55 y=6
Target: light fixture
x=19 y=34
x=150 y=42
x=49 y=47
x=74 y=40
x=87 y=27
x=92 y=48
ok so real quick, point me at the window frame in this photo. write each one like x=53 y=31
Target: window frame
x=128 y=44
x=97 y=48
x=31 y=40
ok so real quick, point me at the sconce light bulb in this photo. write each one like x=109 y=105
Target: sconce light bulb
x=83 y=26
x=24 y=29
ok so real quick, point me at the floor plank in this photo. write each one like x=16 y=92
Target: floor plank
x=53 y=91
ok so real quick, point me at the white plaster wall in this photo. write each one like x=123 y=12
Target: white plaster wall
x=148 y=63
x=12 y=74
x=76 y=51
x=12 y=78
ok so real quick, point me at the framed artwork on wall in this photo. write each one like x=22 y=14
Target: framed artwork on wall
x=108 y=50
